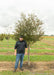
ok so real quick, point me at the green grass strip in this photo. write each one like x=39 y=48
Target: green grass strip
x=24 y=73
x=41 y=50
x=32 y=58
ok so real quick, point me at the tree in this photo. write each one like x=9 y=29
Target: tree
x=13 y=37
x=1 y=37
x=7 y=37
x=30 y=27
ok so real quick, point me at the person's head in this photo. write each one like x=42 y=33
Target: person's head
x=21 y=38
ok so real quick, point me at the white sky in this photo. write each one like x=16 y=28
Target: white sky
x=10 y=10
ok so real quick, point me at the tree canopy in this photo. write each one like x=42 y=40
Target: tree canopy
x=30 y=27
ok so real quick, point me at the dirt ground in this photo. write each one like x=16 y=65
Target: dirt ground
x=12 y=53
x=34 y=66
x=48 y=42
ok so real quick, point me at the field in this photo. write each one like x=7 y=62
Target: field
x=41 y=58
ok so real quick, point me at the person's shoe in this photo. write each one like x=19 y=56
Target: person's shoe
x=21 y=69
x=14 y=70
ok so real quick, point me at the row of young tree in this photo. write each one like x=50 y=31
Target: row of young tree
x=12 y=36
x=6 y=36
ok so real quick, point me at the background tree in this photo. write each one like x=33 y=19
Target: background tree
x=7 y=37
x=30 y=27
x=12 y=36
x=1 y=37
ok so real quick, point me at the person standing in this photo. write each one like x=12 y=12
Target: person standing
x=20 y=48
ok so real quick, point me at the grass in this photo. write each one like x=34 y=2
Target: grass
x=31 y=50
x=25 y=73
x=49 y=38
x=32 y=58
x=41 y=51
x=11 y=73
x=6 y=50
x=39 y=44
x=42 y=46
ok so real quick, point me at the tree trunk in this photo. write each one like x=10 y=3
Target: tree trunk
x=28 y=54
x=8 y=44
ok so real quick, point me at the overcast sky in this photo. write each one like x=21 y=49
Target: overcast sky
x=10 y=11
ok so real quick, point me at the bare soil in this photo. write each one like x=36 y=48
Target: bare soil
x=12 y=53
x=33 y=67
x=50 y=43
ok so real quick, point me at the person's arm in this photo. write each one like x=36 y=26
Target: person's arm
x=15 y=48
x=26 y=48
x=26 y=51
x=15 y=52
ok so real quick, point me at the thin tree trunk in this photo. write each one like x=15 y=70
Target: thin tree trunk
x=8 y=44
x=28 y=54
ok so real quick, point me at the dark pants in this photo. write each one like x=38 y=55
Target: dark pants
x=19 y=57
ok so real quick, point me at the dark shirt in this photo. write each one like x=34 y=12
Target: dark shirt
x=20 y=46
